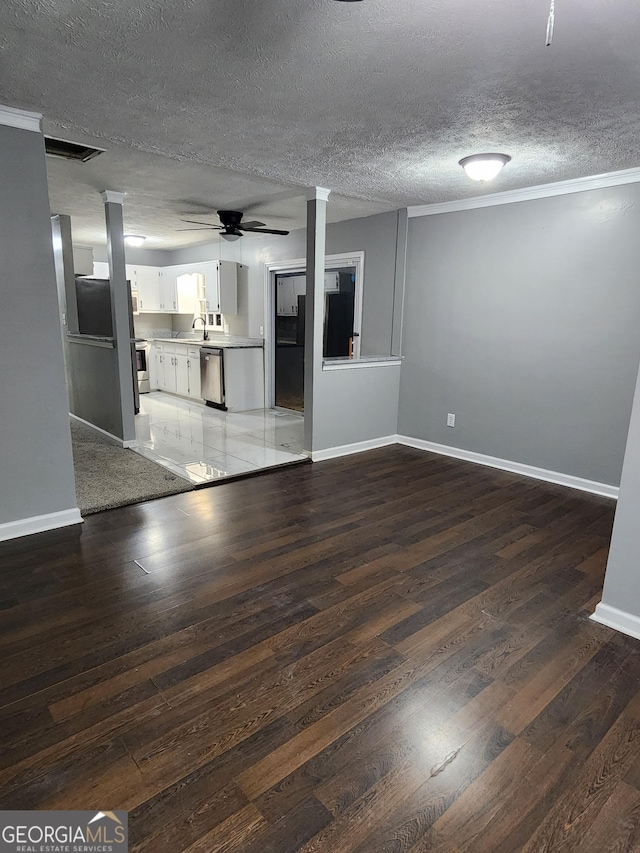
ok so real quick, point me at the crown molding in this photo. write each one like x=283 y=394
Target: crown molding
x=318 y=194
x=577 y=185
x=112 y=196
x=11 y=117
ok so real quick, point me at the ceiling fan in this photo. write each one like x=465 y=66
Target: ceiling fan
x=232 y=227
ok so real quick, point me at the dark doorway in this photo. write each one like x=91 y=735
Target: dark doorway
x=339 y=335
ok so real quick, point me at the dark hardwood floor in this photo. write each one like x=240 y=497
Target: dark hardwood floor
x=387 y=652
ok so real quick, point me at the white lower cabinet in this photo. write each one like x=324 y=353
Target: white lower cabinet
x=193 y=363
x=181 y=361
x=156 y=376
x=176 y=369
x=170 y=378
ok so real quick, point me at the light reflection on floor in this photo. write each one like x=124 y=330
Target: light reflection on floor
x=203 y=444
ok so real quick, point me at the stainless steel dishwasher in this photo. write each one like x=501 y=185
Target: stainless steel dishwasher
x=212 y=377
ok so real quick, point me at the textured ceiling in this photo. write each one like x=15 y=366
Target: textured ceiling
x=376 y=100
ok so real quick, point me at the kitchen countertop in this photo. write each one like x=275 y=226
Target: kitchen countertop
x=230 y=342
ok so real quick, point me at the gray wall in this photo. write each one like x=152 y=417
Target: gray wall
x=94 y=390
x=523 y=319
x=142 y=256
x=355 y=405
x=622 y=580
x=36 y=469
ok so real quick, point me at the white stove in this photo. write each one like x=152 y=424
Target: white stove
x=142 y=366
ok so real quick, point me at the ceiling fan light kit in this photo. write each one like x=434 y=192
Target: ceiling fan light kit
x=484 y=167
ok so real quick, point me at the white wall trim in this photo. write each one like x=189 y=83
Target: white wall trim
x=11 y=117
x=112 y=438
x=357 y=447
x=363 y=361
x=560 y=479
x=39 y=523
x=594 y=182
x=622 y=621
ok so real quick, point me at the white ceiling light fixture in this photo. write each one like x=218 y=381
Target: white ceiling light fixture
x=134 y=240
x=484 y=167
x=230 y=236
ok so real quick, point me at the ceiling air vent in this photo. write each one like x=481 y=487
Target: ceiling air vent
x=70 y=150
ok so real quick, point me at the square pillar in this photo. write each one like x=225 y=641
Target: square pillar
x=120 y=311
x=314 y=319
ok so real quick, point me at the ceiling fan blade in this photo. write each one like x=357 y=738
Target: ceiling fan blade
x=198 y=222
x=263 y=230
x=252 y=224
x=193 y=229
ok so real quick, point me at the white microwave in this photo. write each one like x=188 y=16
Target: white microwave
x=134 y=302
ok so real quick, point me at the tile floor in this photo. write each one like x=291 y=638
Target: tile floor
x=203 y=444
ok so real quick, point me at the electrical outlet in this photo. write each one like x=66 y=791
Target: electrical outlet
x=451 y=419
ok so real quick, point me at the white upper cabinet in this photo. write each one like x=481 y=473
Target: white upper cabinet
x=146 y=280
x=168 y=290
x=210 y=287
x=221 y=286
x=332 y=282
x=286 y=299
x=293 y=286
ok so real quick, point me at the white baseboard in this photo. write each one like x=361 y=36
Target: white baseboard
x=112 y=438
x=39 y=523
x=622 y=621
x=357 y=447
x=572 y=482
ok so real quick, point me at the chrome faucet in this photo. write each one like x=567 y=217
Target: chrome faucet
x=205 y=335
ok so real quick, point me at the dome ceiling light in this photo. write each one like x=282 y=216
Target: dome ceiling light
x=484 y=167
x=134 y=239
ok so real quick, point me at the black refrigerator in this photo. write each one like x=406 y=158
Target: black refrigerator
x=338 y=324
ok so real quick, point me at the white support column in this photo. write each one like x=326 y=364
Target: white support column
x=399 y=282
x=120 y=309
x=620 y=605
x=314 y=305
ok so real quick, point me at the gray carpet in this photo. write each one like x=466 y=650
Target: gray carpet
x=107 y=476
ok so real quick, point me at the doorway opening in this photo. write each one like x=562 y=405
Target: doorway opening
x=287 y=310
